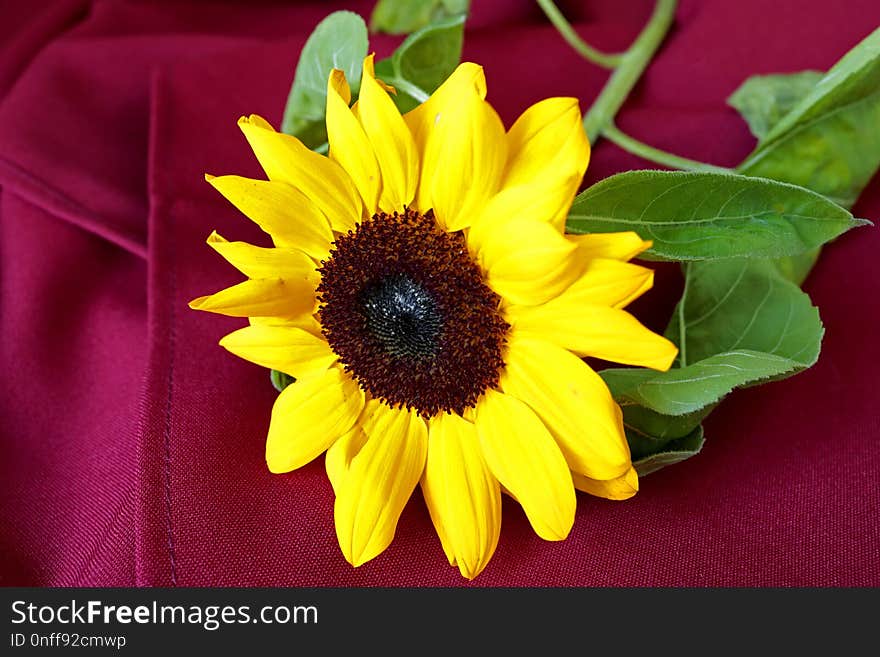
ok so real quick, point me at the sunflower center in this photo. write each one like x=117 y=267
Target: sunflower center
x=402 y=316
x=406 y=310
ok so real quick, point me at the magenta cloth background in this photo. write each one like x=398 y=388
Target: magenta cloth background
x=133 y=445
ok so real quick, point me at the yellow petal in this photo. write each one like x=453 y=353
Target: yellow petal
x=420 y=120
x=463 y=497
x=437 y=518
x=573 y=403
x=260 y=298
x=285 y=213
x=391 y=141
x=598 y=331
x=258 y=262
x=525 y=459
x=379 y=482
x=520 y=203
x=464 y=159
x=339 y=455
x=549 y=152
x=607 y=282
x=308 y=416
x=323 y=181
x=304 y=322
x=547 y=138
x=284 y=348
x=618 y=246
x=620 y=488
x=349 y=144
x=528 y=261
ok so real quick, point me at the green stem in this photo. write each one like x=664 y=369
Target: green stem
x=408 y=87
x=627 y=143
x=568 y=33
x=629 y=70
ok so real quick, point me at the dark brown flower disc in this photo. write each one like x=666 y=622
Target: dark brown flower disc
x=406 y=309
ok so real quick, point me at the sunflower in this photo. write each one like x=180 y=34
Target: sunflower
x=424 y=295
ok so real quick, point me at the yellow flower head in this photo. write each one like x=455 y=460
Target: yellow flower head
x=424 y=295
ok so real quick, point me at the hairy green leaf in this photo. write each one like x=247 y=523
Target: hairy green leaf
x=829 y=141
x=662 y=428
x=740 y=322
x=648 y=457
x=740 y=304
x=405 y=16
x=701 y=216
x=763 y=100
x=796 y=268
x=686 y=390
x=339 y=41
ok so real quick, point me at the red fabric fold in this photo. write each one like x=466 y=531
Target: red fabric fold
x=134 y=444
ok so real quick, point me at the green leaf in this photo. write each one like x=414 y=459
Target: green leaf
x=655 y=457
x=339 y=41
x=795 y=268
x=700 y=216
x=661 y=428
x=429 y=56
x=455 y=7
x=740 y=323
x=731 y=305
x=280 y=380
x=763 y=100
x=829 y=142
x=401 y=16
x=405 y=16
x=423 y=61
x=686 y=390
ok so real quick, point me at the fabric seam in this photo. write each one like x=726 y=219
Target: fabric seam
x=166 y=457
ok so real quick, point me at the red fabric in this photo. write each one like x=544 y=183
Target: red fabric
x=133 y=444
